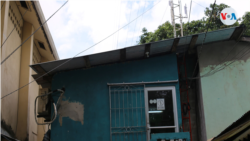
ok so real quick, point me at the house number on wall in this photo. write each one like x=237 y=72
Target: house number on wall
x=160 y=104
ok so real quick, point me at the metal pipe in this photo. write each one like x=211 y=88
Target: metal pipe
x=115 y=107
x=110 y=114
x=55 y=106
x=162 y=127
x=142 y=83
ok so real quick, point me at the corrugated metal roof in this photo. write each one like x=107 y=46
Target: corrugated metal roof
x=135 y=52
x=235 y=125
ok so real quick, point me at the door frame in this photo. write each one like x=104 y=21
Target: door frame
x=174 y=108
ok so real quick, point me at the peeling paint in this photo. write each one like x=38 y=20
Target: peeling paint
x=211 y=60
x=225 y=93
x=73 y=110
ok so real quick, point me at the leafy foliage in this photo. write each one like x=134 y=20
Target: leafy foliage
x=246 y=22
x=165 y=30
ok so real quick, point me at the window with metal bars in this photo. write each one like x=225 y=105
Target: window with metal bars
x=127 y=113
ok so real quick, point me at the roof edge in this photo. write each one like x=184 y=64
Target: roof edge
x=50 y=40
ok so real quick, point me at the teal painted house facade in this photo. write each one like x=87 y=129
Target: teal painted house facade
x=166 y=90
x=89 y=88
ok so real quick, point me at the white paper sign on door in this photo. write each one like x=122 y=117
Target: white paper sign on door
x=160 y=104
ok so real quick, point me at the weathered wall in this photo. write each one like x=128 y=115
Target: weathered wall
x=10 y=69
x=226 y=93
x=23 y=120
x=11 y=73
x=192 y=93
x=88 y=87
x=3 y=21
x=33 y=93
x=41 y=129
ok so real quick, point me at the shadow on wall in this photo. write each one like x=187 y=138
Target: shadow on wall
x=7 y=130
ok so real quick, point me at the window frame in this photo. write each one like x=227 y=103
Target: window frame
x=176 y=127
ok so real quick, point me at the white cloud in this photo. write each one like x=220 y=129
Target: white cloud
x=82 y=23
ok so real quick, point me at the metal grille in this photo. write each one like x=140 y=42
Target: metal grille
x=127 y=113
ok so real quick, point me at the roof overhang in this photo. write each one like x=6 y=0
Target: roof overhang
x=35 y=16
x=235 y=128
x=174 y=45
x=45 y=28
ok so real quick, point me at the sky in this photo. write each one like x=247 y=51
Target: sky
x=82 y=24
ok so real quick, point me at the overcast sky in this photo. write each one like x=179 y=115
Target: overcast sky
x=82 y=23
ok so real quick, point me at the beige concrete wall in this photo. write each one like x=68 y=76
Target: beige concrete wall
x=41 y=129
x=3 y=16
x=25 y=77
x=36 y=55
x=33 y=93
x=17 y=109
x=10 y=71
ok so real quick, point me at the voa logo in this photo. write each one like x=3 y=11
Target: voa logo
x=228 y=16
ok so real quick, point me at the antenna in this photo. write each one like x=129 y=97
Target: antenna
x=185 y=9
x=174 y=17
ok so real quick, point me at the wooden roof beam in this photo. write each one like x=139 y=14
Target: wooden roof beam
x=237 y=33
x=175 y=44
x=192 y=44
x=39 y=69
x=147 y=50
x=123 y=55
x=86 y=60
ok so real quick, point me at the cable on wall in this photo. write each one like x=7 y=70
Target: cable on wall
x=2 y=5
x=78 y=53
x=56 y=106
x=211 y=72
x=14 y=28
x=203 y=41
x=234 y=58
x=32 y=34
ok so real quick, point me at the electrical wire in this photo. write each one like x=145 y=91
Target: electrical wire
x=114 y=25
x=211 y=72
x=203 y=41
x=163 y=15
x=188 y=19
x=128 y=26
x=14 y=27
x=199 y=4
x=119 y=26
x=32 y=33
x=135 y=25
x=78 y=53
x=245 y=52
x=142 y=12
x=2 y=5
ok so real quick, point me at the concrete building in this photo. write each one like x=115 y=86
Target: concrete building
x=17 y=109
x=170 y=89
